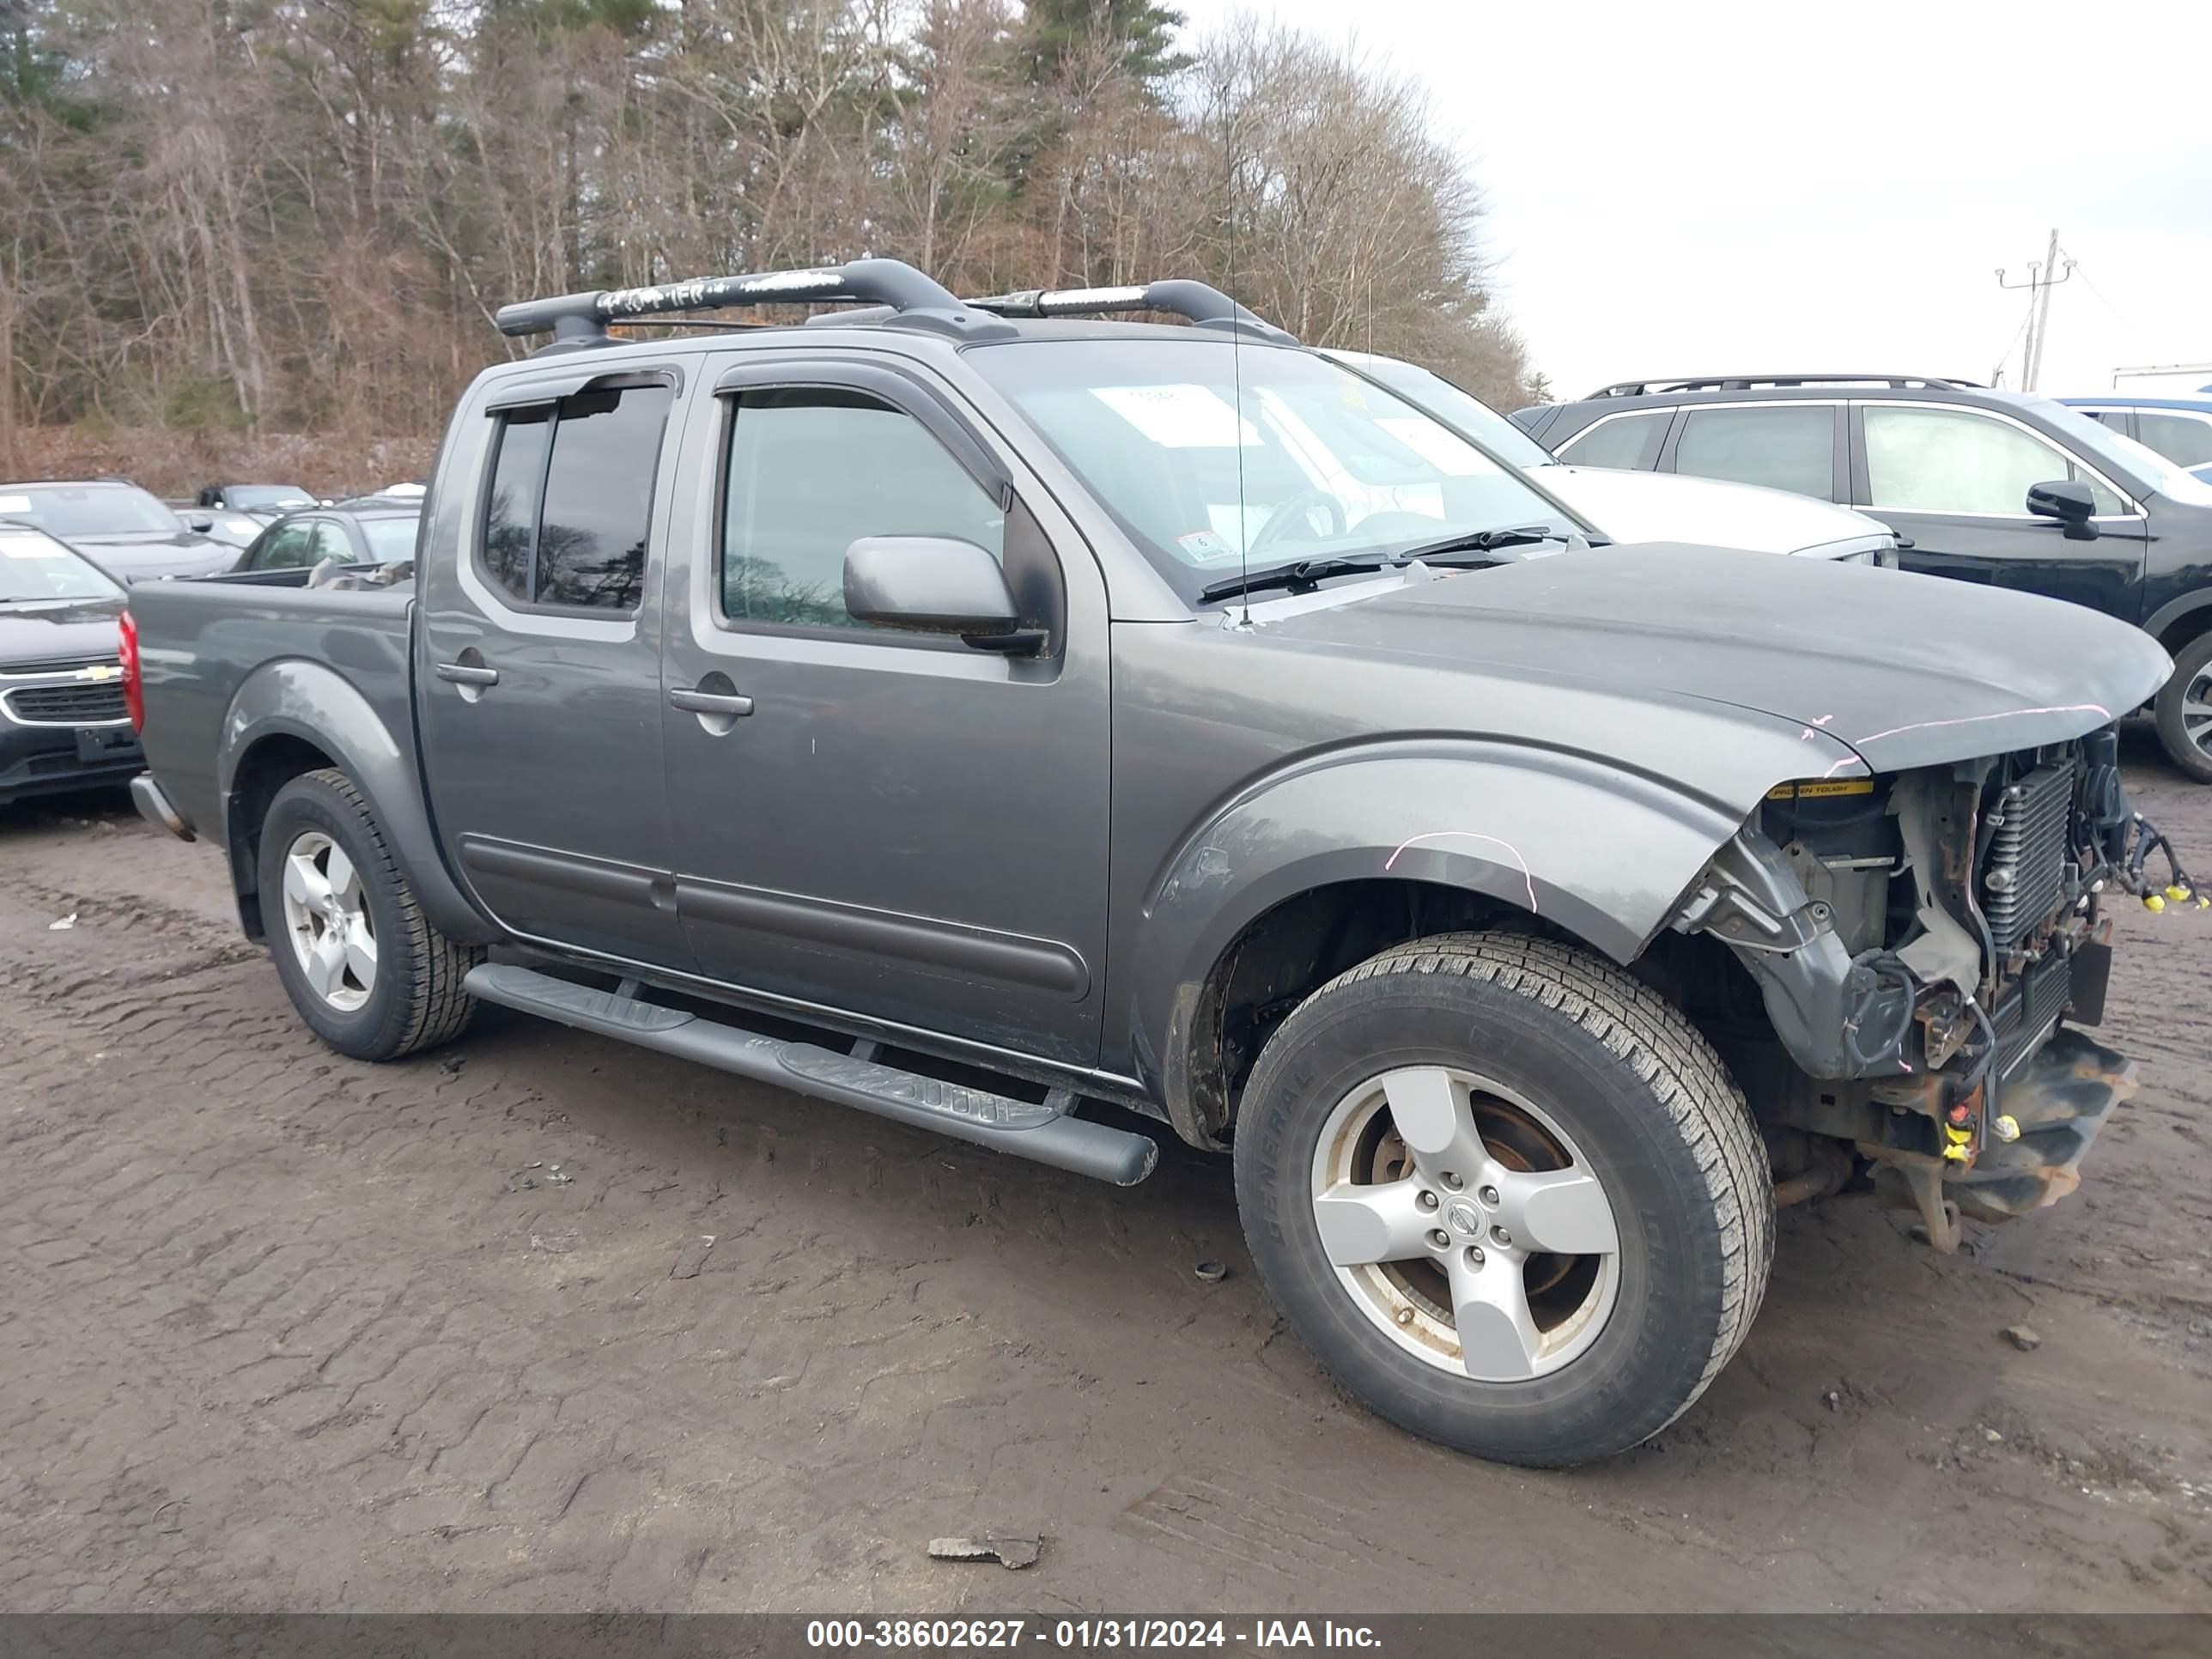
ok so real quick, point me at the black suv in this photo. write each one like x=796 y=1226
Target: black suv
x=1984 y=486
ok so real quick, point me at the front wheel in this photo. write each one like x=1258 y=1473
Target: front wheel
x=362 y=962
x=2184 y=710
x=1507 y=1195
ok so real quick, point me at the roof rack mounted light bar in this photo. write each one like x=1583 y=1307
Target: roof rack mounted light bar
x=1747 y=382
x=1202 y=304
x=913 y=300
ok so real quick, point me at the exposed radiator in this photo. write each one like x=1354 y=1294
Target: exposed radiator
x=2024 y=876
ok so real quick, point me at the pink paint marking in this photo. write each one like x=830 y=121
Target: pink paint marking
x=1806 y=736
x=1469 y=835
x=1969 y=719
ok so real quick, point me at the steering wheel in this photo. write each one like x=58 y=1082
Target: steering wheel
x=1294 y=512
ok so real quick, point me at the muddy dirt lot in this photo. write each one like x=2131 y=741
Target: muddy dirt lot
x=280 y=1331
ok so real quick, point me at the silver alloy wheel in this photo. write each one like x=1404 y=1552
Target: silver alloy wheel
x=326 y=917
x=1466 y=1223
x=2196 y=710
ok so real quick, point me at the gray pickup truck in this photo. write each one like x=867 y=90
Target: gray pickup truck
x=968 y=711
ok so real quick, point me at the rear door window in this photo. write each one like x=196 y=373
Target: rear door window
x=1629 y=441
x=1781 y=446
x=571 y=501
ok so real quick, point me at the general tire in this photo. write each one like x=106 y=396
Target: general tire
x=2191 y=664
x=1641 y=1094
x=416 y=1000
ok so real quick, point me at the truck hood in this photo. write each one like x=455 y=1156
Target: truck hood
x=140 y=556
x=56 y=630
x=1904 y=670
x=1666 y=507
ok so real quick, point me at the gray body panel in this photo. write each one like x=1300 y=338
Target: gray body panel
x=548 y=786
x=230 y=666
x=1907 y=671
x=921 y=826
x=1036 y=861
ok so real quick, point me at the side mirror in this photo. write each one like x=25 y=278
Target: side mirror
x=2069 y=502
x=937 y=584
x=202 y=522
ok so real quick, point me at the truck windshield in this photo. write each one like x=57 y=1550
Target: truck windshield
x=100 y=509
x=1308 y=462
x=35 y=568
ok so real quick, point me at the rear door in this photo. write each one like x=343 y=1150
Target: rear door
x=1780 y=445
x=538 y=674
x=1953 y=481
x=890 y=823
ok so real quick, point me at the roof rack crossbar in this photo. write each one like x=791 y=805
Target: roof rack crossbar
x=1745 y=382
x=578 y=319
x=1201 y=303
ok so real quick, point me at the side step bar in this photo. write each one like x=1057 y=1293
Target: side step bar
x=1045 y=1132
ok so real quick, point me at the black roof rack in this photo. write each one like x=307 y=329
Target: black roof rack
x=1747 y=382
x=1204 y=305
x=912 y=299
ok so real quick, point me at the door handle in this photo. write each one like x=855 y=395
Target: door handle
x=710 y=703
x=462 y=673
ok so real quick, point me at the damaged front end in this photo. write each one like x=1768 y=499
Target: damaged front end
x=1917 y=941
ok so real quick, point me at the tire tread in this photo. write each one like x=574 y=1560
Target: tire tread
x=438 y=1008
x=1667 y=1055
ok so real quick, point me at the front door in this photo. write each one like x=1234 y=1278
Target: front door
x=888 y=823
x=1954 y=481
x=539 y=672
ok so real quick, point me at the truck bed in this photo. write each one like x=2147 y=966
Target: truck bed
x=201 y=642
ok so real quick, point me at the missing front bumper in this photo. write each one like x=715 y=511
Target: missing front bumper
x=2060 y=1099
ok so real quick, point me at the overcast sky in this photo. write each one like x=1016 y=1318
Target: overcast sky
x=1717 y=185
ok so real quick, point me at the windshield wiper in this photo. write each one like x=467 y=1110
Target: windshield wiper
x=1299 y=573
x=1309 y=573
x=1484 y=541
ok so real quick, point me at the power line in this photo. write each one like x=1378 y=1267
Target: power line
x=2090 y=282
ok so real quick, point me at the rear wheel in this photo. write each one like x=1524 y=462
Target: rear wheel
x=1507 y=1195
x=2184 y=710
x=360 y=960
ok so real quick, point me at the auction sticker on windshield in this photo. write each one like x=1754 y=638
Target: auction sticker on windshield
x=1180 y=416
x=29 y=547
x=14 y=503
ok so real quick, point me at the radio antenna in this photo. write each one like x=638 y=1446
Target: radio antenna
x=1235 y=354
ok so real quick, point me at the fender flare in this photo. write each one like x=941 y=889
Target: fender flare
x=291 y=696
x=1602 y=852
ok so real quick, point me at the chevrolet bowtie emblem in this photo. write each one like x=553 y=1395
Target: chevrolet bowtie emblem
x=99 y=671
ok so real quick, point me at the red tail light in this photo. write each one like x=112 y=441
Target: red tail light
x=134 y=689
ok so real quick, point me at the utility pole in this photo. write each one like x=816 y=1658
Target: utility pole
x=2042 y=277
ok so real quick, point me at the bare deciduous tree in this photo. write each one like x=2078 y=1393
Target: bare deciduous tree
x=298 y=214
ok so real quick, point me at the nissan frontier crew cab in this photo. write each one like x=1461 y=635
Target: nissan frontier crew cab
x=967 y=711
